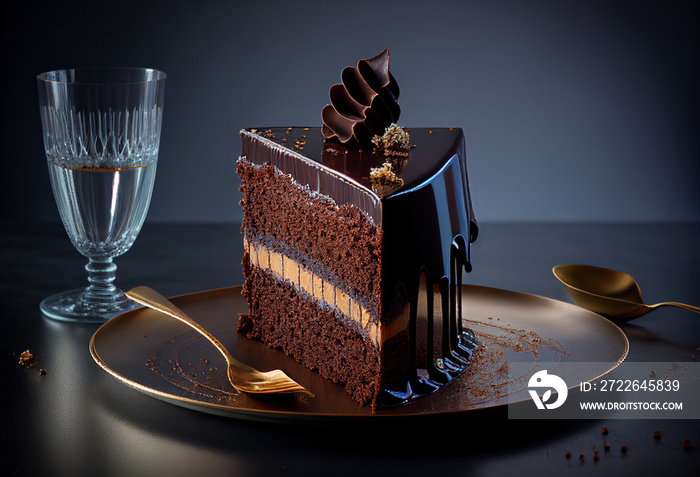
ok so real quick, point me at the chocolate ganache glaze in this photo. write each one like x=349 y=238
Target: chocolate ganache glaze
x=364 y=104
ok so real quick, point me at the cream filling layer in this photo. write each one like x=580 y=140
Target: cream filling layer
x=285 y=268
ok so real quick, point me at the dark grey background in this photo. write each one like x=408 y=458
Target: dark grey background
x=573 y=110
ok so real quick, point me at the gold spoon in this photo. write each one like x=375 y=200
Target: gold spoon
x=607 y=292
x=242 y=377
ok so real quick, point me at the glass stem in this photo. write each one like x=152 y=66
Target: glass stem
x=101 y=291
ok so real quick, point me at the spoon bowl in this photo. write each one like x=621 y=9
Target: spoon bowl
x=610 y=293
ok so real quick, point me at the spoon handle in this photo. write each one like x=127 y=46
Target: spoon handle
x=152 y=299
x=680 y=305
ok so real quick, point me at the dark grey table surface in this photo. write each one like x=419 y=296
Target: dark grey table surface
x=78 y=420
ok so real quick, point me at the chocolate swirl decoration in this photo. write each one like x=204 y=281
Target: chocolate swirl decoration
x=364 y=104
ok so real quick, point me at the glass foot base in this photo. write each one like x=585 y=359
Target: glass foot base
x=67 y=306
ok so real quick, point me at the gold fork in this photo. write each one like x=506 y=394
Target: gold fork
x=242 y=377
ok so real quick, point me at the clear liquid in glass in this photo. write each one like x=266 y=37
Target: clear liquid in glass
x=103 y=209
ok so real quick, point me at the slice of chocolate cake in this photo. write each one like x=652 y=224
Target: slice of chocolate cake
x=349 y=243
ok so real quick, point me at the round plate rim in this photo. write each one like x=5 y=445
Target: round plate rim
x=297 y=416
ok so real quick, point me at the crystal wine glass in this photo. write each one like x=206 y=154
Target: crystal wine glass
x=101 y=134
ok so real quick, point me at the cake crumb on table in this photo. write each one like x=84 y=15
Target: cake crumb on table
x=26 y=358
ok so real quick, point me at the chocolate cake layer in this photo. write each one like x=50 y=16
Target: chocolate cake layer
x=339 y=243
x=316 y=336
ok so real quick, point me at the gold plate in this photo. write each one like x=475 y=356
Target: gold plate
x=163 y=358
